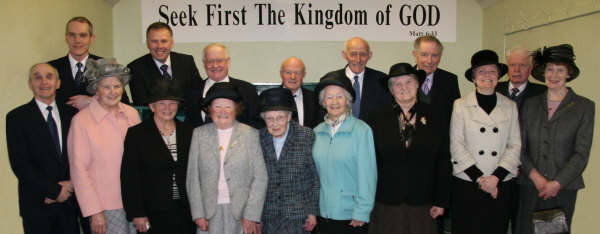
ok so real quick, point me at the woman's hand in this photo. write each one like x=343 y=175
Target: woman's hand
x=141 y=224
x=310 y=223
x=550 y=190
x=436 y=211
x=356 y=223
x=489 y=184
x=98 y=223
x=538 y=180
x=249 y=227
x=202 y=224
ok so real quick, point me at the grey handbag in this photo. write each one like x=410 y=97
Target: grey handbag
x=550 y=221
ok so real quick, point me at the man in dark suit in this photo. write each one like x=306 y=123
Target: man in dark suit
x=36 y=136
x=518 y=88
x=216 y=62
x=79 y=36
x=370 y=93
x=162 y=64
x=292 y=73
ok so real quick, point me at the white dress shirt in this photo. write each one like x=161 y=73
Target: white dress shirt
x=55 y=115
x=298 y=98
x=167 y=62
x=278 y=142
x=361 y=77
x=74 y=62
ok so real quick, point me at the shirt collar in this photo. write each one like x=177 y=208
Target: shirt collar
x=99 y=113
x=167 y=62
x=351 y=74
x=521 y=88
x=298 y=94
x=43 y=106
x=74 y=62
x=210 y=82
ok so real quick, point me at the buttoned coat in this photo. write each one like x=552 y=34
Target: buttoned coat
x=486 y=141
x=293 y=188
x=558 y=148
x=244 y=167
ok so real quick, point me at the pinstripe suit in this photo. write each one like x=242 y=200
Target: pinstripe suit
x=293 y=188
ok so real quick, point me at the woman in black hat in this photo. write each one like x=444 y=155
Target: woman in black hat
x=413 y=162
x=557 y=136
x=485 y=145
x=153 y=171
x=226 y=176
x=292 y=201
x=345 y=158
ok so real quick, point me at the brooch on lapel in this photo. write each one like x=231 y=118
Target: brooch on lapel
x=570 y=104
x=423 y=120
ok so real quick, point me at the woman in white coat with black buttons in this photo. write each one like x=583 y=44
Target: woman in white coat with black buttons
x=485 y=145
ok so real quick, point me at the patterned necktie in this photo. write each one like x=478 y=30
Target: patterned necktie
x=53 y=130
x=78 y=76
x=425 y=87
x=165 y=74
x=513 y=93
x=356 y=104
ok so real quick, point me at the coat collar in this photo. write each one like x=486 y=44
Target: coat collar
x=567 y=103
x=99 y=113
x=233 y=142
x=267 y=141
x=346 y=127
x=498 y=114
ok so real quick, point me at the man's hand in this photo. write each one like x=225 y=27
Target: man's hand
x=436 y=211
x=141 y=224
x=98 y=223
x=79 y=101
x=202 y=224
x=310 y=223
x=65 y=191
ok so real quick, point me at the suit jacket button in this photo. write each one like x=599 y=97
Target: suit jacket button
x=494 y=153
x=481 y=152
x=455 y=162
x=482 y=129
x=495 y=130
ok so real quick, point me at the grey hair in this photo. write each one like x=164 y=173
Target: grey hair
x=346 y=93
x=38 y=64
x=98 y=70
x=519 y=50
x=214 y=44
x=391 y=80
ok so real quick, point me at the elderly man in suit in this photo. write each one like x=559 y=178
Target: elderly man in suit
x=79 y=36
x=292 y=73
x=216 y=62
x=162 y=64
x=36 y=136
x=370 y=94
x=518 y=88
x=292 y=201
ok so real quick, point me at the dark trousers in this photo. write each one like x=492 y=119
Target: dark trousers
x=402 y=219
x=332 y=226
x=176 y=220
x=475 y=211
x=530 y=202
x=54 y=220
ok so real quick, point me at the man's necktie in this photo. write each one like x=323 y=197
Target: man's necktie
x=513 y=93
x=165 y=74
x=78 y=76
x=53 y=131
x=356 y=104
x=425 y=88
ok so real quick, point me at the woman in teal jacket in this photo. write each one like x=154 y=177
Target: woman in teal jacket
x=344 y=154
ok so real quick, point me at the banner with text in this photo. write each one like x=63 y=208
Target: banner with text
x=289 y=20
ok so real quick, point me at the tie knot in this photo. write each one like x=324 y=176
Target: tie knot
x=49 y=108
x=79 y=65
x=514 y=90
x=164 y=67
x=355 y=78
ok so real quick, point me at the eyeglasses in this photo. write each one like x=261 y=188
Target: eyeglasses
x=278 y=119
x=289 y=73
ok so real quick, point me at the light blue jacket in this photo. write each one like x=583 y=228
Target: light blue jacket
x=347 y=170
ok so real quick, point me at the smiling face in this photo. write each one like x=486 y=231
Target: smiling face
x=164 y=110
x=335 y=101
x=428 y=56
x=486 y=78
x=222 y=112
x=404 y=88
x=79 y=39
x=357 y=53
x=277 y=121
x=44 y=82
x=159 y=43
x=519 y=68
x=292 y=74
x=109 y=92
x=556 y=76
x=216 y=63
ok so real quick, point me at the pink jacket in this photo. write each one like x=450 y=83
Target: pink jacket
x=95 y=146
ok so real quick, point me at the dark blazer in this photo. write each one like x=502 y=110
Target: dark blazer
x=417 y=175
x=311 y=107
x=148 y=167
x=33 y=157
x=558 y=148
x=145 y=73
x=249 y=116
x=531 y=90
x=293 y=185
x=67 y=87
x=374 y=94
x=444 y=91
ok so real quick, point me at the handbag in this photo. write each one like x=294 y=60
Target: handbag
x=550 y=221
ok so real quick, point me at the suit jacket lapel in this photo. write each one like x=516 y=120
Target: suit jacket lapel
x=564 y=105
x=269 y=148
x=233 y=142
x=289 y=143
x=42 y=125
x=174 y=62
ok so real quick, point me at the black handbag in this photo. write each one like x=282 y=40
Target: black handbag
x=550 y=221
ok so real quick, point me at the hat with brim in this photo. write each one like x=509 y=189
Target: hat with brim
x=277 y=99
x=165 y=90
x=560 y=54
x=485 y=57
x=401 y=69
x=335 y=78
x=221 y=90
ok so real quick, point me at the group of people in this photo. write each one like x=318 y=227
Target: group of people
x=365 y=152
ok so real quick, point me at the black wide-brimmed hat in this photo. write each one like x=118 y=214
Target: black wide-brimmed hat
x=277 y=99
x=335 y=78
x=485 y=57
x=165 y=90
x=562 y=54
x=221 y=90
x=400 y=69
